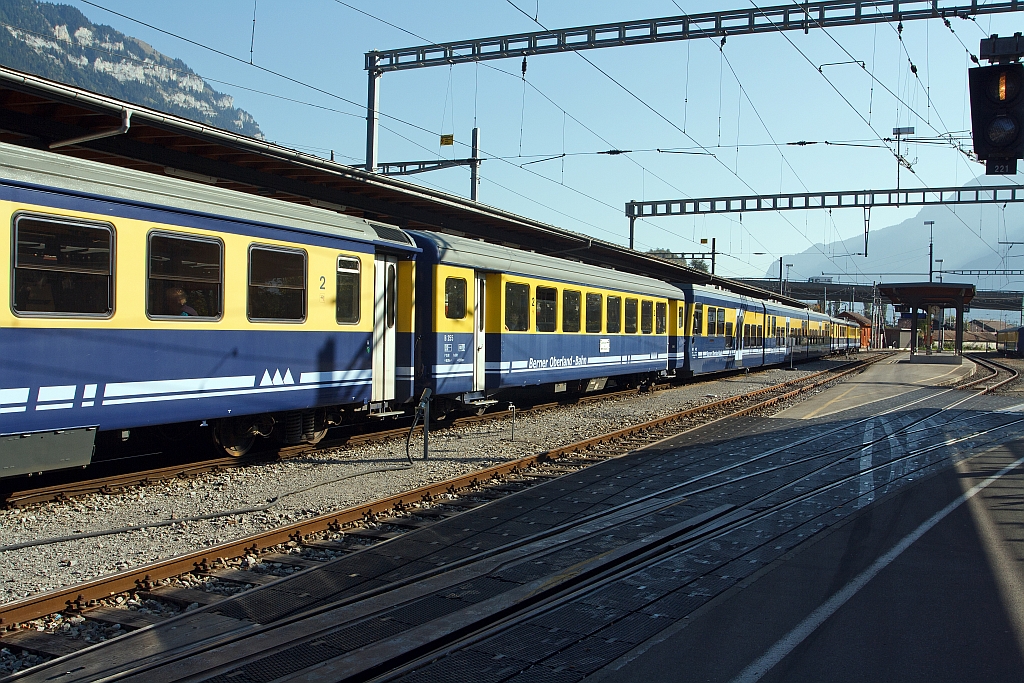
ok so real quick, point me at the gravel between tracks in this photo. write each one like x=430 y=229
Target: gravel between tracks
x=453 y=452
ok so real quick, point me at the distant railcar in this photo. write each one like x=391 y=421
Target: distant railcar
x=1010 y=341
x=500 y=319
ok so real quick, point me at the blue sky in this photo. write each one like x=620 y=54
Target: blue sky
x=737 y=102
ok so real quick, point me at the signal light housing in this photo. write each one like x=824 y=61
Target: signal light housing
x=997 y=112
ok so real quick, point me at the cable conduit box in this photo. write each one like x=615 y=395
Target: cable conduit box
x=28 y=453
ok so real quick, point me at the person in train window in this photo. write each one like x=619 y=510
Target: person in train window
x=177 y=302
x=37 y=295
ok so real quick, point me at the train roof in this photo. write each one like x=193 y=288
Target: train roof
x=46 y=169
x=464 y=251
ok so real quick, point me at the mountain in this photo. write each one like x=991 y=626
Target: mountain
x=966 y=237
x=58 y=42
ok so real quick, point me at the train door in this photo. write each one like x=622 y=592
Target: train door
x=764 y=333
x=739 y=334
x=385 y=309
x=479 y=338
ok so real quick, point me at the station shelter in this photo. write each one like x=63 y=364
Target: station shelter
x=931 y=298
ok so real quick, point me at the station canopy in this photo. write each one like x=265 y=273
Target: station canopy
x=37 y=112
x=925 y=294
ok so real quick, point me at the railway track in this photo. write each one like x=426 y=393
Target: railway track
x=111 y=483
x=353 y=528
x=438 y=626
x=66 y=490
x=999 y=375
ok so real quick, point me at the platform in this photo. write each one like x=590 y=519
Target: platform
x=882 y=380
x=948 y=608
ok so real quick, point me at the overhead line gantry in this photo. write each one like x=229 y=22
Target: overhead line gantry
x=863 y=199
x=791 y=17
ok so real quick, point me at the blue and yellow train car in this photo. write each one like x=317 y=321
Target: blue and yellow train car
x=137 y=300
x=728 y=331
x=501 y=318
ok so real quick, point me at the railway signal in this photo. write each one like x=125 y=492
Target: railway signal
x=997 y=105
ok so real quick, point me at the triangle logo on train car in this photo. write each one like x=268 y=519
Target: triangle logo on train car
x=277 y=380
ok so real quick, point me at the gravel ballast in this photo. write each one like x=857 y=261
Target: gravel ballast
x=453 y=452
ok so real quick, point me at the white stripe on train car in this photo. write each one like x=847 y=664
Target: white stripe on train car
x=56 y=397
x=453 y=369
x=236 y=392
x=169 y=386
x=8 y=397
x=336 y=376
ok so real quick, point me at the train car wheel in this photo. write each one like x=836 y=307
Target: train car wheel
x=317 y=437
x=233 y=443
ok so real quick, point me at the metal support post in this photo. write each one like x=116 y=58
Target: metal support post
x=372 y=109
x=474 y=167
x=959 y=343
x=780 y=275
x=931 y=248
x=913 y=332
x=512 y=408
x=713 y=252
x=426 y=424
x=632 y=219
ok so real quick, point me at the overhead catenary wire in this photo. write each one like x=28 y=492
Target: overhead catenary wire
x=850 y=104
x=536 y=89
x=908 y=106
x=648 y=106
x=339 y=97
x=533 y=87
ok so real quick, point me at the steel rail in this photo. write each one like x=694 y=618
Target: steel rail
x=995 y=366
x=110 y=483
x=79 y=596
x=718 y=524
x=106 y=484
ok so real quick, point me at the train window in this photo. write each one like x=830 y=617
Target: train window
x=277 y=284
x=517 y=307
x=646 y=316
x=391 y=296
x=455 y=298
x=698 y=319
x=660 y=318
x=594 y=313
x=746 y=335
x=760 y=335
x=547 y=309
x=571 y=304
x=728 y=336
x=62 y=267
x=712 y=321
x=184 y=277
x=347 y=306
x=614 y=314
x=631 y=316
x=721 y=324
